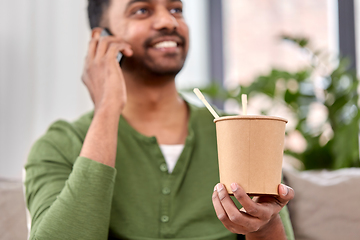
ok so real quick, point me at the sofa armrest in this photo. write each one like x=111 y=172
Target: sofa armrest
x=326 y=203
x=12 y=211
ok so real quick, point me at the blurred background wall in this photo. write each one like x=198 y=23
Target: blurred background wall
x=43 y=45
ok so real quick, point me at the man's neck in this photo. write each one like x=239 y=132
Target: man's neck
x=154 y=108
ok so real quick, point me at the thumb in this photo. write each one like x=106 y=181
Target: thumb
x=286 y=193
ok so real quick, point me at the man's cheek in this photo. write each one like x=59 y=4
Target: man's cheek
x=136 y=34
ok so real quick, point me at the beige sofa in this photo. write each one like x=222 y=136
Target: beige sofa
x=12 y=211
x=326 y=205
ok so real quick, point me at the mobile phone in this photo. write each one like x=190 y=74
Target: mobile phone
x=105 y=32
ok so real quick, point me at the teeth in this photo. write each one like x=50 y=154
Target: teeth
x=166 y=44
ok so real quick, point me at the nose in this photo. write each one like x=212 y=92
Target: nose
x=164 y=20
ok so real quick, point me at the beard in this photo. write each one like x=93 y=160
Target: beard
x=169 y=64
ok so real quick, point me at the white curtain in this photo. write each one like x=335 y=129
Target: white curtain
x=42 y=49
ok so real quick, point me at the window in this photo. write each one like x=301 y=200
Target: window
x=357 y=30
x=252 y=32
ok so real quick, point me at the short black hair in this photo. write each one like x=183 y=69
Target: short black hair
x=96 y=9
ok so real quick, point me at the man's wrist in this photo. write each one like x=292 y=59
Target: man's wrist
x=108 y=110
x=274 y=229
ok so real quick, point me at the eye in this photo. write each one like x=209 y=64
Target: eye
x=141 y=11
x=176 y=11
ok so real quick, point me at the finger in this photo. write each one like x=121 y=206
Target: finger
x=113 y=51
x=278 y=202
x=251 y=207
x=241 y=220
x=220 y=212
x=286 y=193
x=103 y=45
x=127 y=51
x=92 y=48
x=235 y=215
x=95 y=36
x=115 y=48
x=96 y=32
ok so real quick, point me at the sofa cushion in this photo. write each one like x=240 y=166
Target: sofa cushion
x=12 y=211
x=326 y=204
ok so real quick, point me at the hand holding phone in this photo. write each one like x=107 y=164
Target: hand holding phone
x=102 y=73
x=105 y=32
x=105 y=82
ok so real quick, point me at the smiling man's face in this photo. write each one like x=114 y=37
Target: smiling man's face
x=155 y=29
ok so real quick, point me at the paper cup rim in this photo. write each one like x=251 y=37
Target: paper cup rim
x=250 y=117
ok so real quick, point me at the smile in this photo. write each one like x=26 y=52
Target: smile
x=166 y=44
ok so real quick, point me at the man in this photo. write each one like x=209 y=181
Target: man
x=105 y=176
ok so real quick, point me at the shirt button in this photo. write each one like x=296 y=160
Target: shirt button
x=166 y=191
x=164 y=219
x=163 y=167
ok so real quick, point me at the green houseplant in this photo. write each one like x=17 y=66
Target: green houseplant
x=332 y=144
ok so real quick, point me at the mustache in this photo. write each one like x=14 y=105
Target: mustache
x=164 y=34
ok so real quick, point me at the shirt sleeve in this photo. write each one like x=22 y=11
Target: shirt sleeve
x=285 y=218
x=67 y=198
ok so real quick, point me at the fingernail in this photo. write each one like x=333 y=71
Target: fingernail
x=285 y=190
x=219 y=187
x=242 y=210
x=234 y=187
x=215 y=188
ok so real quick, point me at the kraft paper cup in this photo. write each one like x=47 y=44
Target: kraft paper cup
x=250 y=152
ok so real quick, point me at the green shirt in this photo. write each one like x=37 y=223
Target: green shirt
x=72 y=197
